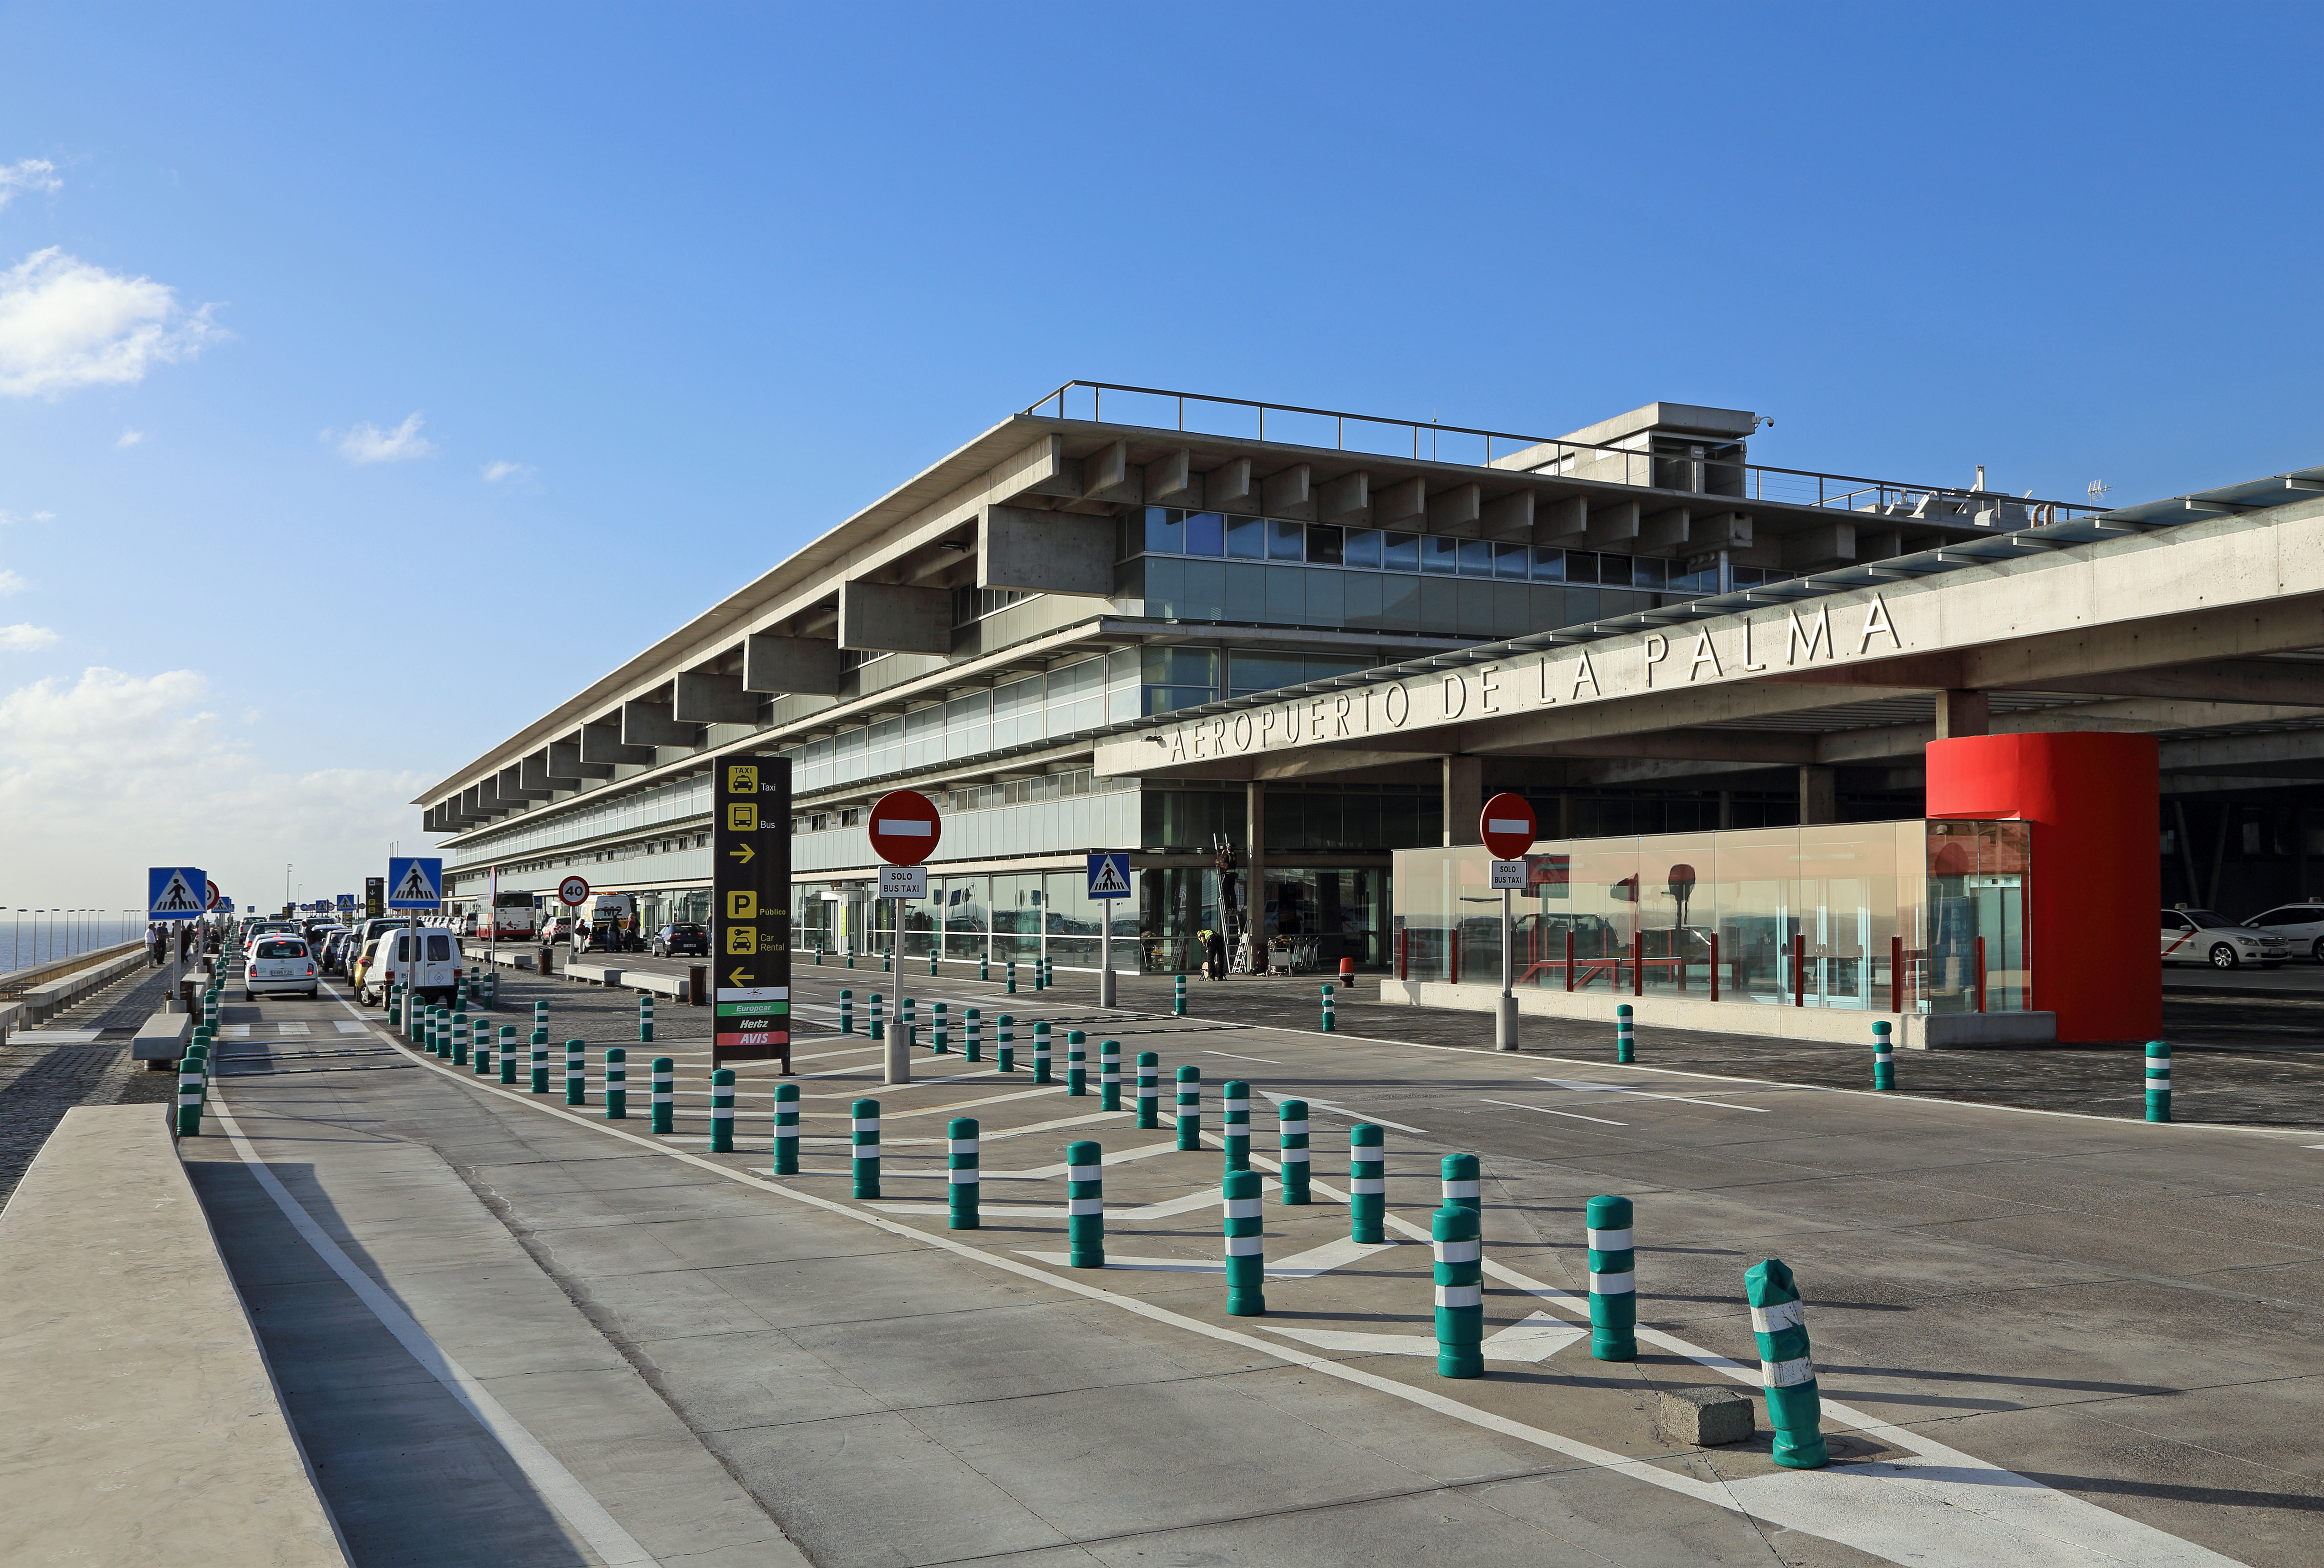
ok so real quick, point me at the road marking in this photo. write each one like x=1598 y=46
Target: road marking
x=1536 y=1339
x=1232 y=1057
x=1546 y=1111
x=290 y=1028
x=557 y=1485
x=1583 y=1087
x=345 y=1026
x=1347 y=1111
x=1331 y=1255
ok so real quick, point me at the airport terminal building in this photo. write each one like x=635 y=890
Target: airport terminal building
x=1267 y=649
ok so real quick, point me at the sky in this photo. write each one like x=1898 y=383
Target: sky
x=373 y=378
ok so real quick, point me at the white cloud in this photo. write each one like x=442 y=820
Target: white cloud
x=10 y=582
x=28 y=174
x=7 y=516
x=130 y=438
x=496 y=471
x=24 y=637
x=107 y=774
x=67 y=324
x=367 y=443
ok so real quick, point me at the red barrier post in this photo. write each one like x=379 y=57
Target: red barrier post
x=1799 y=969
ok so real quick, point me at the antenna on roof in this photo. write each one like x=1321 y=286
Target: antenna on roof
x=2097 y=489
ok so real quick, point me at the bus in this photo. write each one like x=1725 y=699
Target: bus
x=513 y=917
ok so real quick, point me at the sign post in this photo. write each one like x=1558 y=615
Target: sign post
x=1506 y=828
x=374 y=897
x=175 y=893
x=1109 y=878
x=751 y=910
x=904 y=830
x=414 y=883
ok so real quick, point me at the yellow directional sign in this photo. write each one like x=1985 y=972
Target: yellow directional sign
x=743 y=819
x=744 y=853
x=742 y=903
x=751 y=893
x=742 y=778
x=741 y=939
x=738 y=976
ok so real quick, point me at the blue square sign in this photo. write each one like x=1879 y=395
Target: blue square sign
x=175 y=893
x=414 y=882
x=1109 y=873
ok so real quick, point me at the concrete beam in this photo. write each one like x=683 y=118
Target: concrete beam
x=2214 y=680
x=708 y=698
x=512 y=787
x=652 y=724
x=1041 y=469
x=1819 y=796
x=1171 y=480
x=1345 y=496
x=1286 y=493
x=1508 y=521
x=1665 y=530
x=1721 y=531
x=1456 y=511
x=1831 y=544
x=806 y=666
x=602 y=745
x=1960 y=713
x=1107 y=475
x=1406 y=502
x=889 y=618
x=1611 y=523
x=535 y=773
x=565 y=761
x=1562 y=522
x=1043 y=553
x=1230 y=487
x=2273 y=753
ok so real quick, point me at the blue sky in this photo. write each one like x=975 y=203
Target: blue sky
x=519 y=333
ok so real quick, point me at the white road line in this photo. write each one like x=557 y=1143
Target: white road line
x=548 y=1477
x=1546 y=1111
x=1232 y=1057
x=1348 y=1111
x=1582 y=1085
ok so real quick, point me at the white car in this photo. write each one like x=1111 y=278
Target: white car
x=436 y=977
x=2198 y=936
x=2302 y=925
x=280 y=963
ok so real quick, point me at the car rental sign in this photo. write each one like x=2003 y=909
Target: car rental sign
x=750 y=905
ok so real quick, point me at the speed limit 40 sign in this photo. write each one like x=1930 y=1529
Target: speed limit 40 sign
x=573 y=892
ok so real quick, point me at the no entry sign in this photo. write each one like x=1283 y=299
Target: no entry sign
x=1507 y=827
x=904 y=828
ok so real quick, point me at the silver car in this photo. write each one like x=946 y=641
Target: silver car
x=2198 y=936
x=280 y=963
x=2299 y=924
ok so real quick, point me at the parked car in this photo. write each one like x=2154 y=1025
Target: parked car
x=2199 y=935
x=435 y=976
x=603 y=936
x=682 y=936
x=558 y=930
x=280 y=964
x=2300 y=925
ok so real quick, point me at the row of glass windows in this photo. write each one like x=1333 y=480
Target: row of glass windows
x=1169 y=531
x=670 y=803
x=1374 y=602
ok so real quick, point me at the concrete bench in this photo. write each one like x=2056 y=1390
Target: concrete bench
x=670 y=986
x=162 y=1037
x=44 y=1001
x=143 y=1426
x=595 y=974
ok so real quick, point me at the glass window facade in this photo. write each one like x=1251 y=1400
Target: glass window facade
x=1925 y=916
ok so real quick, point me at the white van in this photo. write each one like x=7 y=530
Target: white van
x=436 y=977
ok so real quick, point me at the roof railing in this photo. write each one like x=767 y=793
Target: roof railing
x=1692 y=469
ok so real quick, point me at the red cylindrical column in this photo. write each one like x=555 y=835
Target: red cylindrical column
x=2096 y=883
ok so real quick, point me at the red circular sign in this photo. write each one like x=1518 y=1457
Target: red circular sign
x=904 y=828
x=573 y=892
x=214 y=895
x=1507 y=826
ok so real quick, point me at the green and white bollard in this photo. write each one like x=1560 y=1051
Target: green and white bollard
x=1367 y=1183
x=189 y=1097
x=576 y=1073
x=1109 y=1075
x=863 y=1134
x=1291 y=1149
x=1076 y=1062
x=508 y=1053
x=2158 y=1080
x=617 y=1084
x=939 y=1026
x=1011 y=978
x=1041 y=1051
x=1460 y=1250
x=539 y=1062
x=972 y=1031
x=722 y=1111
x=1787 y=1366
x=1004 y=1042
x=459 y=1040
x=1330 y=1024
x=1234 y=1123
x=1613 y=1281
x=540 y=1015
x=1084 y=1206
x=1149 y=1090
x=1463 y=1175
x=645 y=1018
x=1884 y=1056
x=886 y=963
x=665 y=1095
x=1040 y=975
x=846 y=1012
x=1190 y=1108
x=395 y=1008
x=1245 y=1255
x=786 y=1113
x=879 y=1023
x=1178 y=997
x=932 y=963
x=908 y=1016
x=484 y=1058
x=1625 y=1047
x=983 y=967
x=960 y=1169
x=201 y=1053
x=851 y=957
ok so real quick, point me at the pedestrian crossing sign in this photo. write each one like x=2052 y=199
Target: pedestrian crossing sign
x=175 y=892
x=414 y=882
x=1109 y=873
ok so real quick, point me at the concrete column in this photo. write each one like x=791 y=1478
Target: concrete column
x=1960 y=713
x=1726 y=810
x=1254 y=878
x=1565 y=814
x=1465 y=798
x=1819 y=796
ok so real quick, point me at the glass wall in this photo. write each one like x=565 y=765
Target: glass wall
x=1922 y=916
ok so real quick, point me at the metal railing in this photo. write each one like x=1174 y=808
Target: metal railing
x=1693 y=470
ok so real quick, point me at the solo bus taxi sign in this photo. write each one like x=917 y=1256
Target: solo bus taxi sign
x=750 y=916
